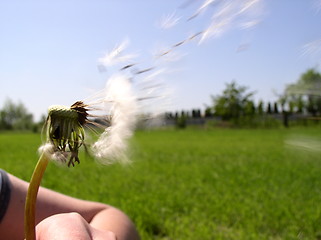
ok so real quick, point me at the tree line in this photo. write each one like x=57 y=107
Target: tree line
x=15 y=116
x=236 y=105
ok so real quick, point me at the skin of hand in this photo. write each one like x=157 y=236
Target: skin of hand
x=70 y=226
x=94 y=216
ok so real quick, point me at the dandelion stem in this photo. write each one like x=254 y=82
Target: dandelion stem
x=30 y=207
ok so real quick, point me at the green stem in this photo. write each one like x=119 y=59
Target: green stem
x=30 y=207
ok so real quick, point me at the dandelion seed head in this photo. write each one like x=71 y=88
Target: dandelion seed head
x=47 y=148
x=112 y=145
x=202 y=8
x=169 y=21
x=249 y=4
x=206 y=4
x=60 y=157
x=116 y=56
x=215 y=30
x=230 y=14
x=162 y=54
x=64 y=132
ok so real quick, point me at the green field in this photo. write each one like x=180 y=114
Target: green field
x=196 y=184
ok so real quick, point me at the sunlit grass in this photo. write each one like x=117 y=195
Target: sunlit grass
x=196 y=184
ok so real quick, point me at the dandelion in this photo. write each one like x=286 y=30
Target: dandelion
x=65 y=134
x=64 y=129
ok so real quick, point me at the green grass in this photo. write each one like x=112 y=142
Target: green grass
x=196 y=184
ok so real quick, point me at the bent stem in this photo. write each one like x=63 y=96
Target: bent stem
x=30 y=206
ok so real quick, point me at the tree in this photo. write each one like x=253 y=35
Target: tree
x=295 y=103
x=260 y=108
x=15 y=117
x=309 y=87
x=181 y=120
x=199 y=114
x=276 y=109
x=208 y=112
x=249 y=109
x=196 y=113
x=299 y=104
x=269 y=108
x=231 y=104
x=283 y=99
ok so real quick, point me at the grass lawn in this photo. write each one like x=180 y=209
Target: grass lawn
x=196 y=184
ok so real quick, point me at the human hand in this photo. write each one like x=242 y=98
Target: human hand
x=71 y=226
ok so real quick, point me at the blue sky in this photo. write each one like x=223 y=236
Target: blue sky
x=49 y=50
